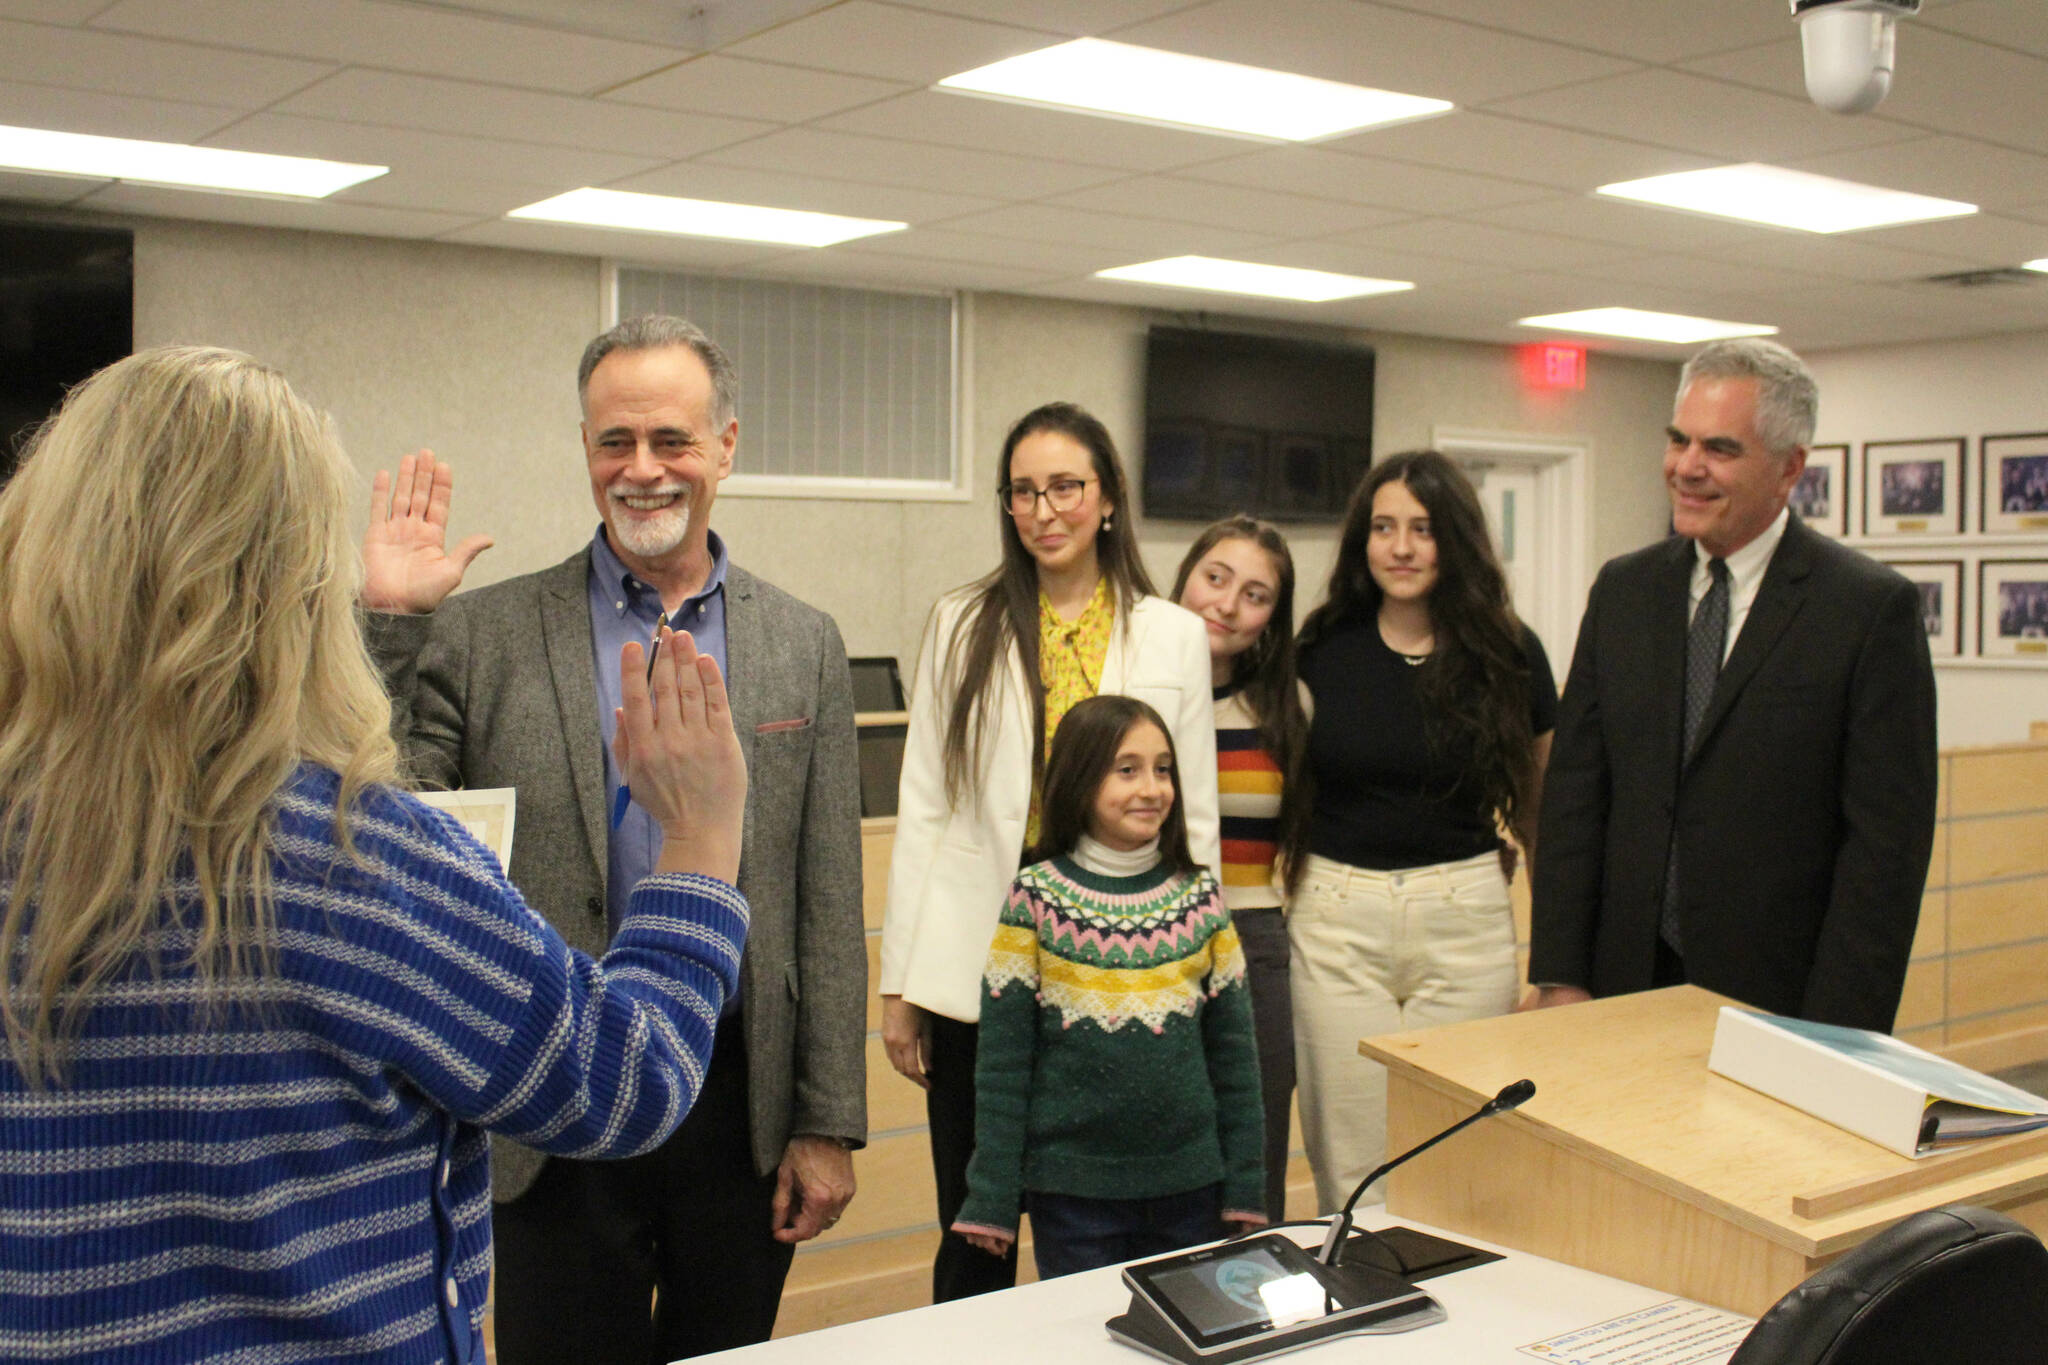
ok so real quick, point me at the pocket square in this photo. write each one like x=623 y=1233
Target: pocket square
x=772 y=727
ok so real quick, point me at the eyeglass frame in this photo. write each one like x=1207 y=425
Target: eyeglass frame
x=1006 y=496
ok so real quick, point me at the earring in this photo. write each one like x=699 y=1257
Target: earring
x=1109 y=521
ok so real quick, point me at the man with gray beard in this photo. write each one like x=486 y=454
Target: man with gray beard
x=683 y=1250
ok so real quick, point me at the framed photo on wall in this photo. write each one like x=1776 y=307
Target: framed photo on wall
x=2012 y=609
x=2012 y=484
x=1913 y=488
x=1941 y=601
x=1821 y=497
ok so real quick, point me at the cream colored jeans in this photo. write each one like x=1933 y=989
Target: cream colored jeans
x=1383 y=952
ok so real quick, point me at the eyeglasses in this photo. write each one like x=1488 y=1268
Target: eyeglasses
x=1062 y=495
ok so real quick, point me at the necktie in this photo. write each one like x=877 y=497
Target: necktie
x=1705 y=643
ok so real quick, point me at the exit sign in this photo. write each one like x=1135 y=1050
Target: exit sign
x=1554 y=365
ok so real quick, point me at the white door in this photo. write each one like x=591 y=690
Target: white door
x=1508 y=493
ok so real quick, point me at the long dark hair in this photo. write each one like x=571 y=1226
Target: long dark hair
x=1084 y=750
x=1266 y=674
x=1475 y=687
x=1005 y=612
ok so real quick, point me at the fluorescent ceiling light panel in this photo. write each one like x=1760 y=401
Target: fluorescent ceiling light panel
x=1757 y=193
x=1101 y=77
x=701 y=218
x=2040 y=265
x=1646 y=326
x=1247 y=277
x=177 y=165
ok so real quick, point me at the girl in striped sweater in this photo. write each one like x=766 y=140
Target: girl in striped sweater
x=1116 y=1082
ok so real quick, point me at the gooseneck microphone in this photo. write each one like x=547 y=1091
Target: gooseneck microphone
x=1510 y=1097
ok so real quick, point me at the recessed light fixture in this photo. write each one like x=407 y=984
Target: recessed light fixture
x=1646 y=326
x=701 y=218
x=176 y=164
x=1755 y=193
x=1144 y=83
x=1248 y=277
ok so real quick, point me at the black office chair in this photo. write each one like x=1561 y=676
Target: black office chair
x=1950 y=1285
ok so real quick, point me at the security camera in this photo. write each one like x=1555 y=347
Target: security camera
x=1848 y=45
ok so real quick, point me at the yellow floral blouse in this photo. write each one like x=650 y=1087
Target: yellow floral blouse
x=1070 y=655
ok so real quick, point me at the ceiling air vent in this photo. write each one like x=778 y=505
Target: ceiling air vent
x=1979 y=279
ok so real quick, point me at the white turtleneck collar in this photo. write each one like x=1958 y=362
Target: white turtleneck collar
x=1104 y=861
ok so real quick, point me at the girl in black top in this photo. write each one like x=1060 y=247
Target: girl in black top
x=1433 y=712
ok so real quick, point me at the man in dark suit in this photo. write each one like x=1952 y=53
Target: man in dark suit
x=515 y=685
x=1741 y=791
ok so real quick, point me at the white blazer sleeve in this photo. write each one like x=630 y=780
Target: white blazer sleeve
x=921 y=807
x=1194 y=740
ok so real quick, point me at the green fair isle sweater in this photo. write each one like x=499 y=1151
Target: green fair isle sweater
x=1116 y=1058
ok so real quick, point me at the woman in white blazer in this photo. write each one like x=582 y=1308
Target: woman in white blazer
x=984 y=702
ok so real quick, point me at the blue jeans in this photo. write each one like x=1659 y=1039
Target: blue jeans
x=1071 y=1232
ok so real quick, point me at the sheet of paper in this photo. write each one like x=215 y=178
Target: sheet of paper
x=487 y=812
x=1678 y=1332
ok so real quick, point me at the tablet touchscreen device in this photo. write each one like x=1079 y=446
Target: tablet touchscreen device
x=1222 y=1297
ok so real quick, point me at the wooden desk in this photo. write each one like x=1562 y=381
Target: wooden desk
x=1492 y=1310
x=1634 y=1160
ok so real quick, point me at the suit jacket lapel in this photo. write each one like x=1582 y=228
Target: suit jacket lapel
x=1664 y=650
x=565 y=635
x=1778 y=600
x=744 y=666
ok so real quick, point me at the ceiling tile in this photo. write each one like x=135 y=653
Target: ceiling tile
x=1249 y=210
x=1643 y=226
x=491 y=111
x=630 y=248
x=412 y=187
x=1143 y=238
x=1073 y=18
x=1695 y=114
x=1129 y=294
x=1706 y=275
x=320 y=215
x=1947 y=167
x=23 y=188
x=1375 y=45
x=1839 y=256
x=922 y=165
x=397 y=37
x=1629 y=28
x=1484 y=244
x=2019 y=24
x=1775 y=66
x=973 y=248
x=1491 y=144
x=868 y=39
x=717 y=84
x=108 y=115
x=431 y=153
x=999 y=126
x=777 y=189
x=51 y=11
x=839 y=266
x=1982 y=239
x=1364 y=180
x=120 y=64
x=1379 y=263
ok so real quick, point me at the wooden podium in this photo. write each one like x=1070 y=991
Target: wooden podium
x=1635 y=1161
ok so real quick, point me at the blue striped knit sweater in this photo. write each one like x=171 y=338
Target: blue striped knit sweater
x=305 y=1175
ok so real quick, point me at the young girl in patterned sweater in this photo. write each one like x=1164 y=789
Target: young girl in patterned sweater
x=1117 y=1082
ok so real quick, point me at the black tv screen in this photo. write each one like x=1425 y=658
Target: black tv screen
x=1273 y=426
x=67 y=308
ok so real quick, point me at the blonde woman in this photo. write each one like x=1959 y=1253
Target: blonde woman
x=261 y=1006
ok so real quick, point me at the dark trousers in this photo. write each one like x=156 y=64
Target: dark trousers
x=1668 y=969
x=1071 y=1233
x=652 y=1258
x=1264 y=936
x=960 y=1270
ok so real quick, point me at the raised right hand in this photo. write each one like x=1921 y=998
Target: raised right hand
x=677 y=749
x=405 y=565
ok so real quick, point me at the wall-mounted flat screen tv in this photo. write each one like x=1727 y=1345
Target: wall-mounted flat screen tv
x=67 y=308
x=1277 y=427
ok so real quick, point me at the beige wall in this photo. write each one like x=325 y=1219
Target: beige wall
x=472 y=350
